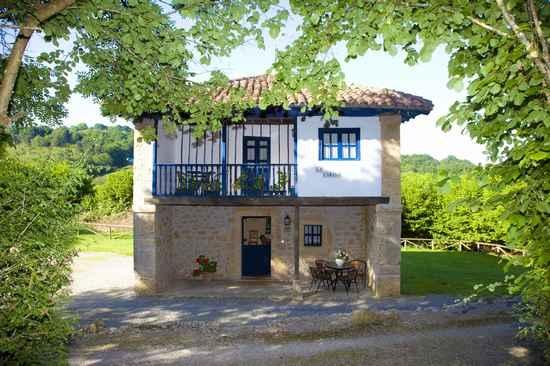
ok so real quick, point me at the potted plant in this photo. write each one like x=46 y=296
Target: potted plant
x=211 y=188
x=241 y=181
x=205 y=265
x=250 y=183
x=341 y=257
x=279 y=188
x=188 y=185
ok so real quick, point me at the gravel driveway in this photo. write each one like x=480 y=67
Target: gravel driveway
x=175 y=330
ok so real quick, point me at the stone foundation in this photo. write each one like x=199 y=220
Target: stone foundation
x=168 y=240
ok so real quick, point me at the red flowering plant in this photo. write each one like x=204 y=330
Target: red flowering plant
x=205 y=265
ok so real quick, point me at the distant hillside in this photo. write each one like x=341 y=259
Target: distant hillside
x=423 y=163
x=100 y=149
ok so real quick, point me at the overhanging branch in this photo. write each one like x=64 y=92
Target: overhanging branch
x=532 y=50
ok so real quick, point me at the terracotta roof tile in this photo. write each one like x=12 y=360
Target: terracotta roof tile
x=352 y=96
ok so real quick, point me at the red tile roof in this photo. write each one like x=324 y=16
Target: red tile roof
x=352 y=96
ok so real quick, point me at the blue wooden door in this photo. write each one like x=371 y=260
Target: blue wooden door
x=256 y=159
x=256 y=254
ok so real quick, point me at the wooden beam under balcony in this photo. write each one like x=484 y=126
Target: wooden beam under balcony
x=267 y=201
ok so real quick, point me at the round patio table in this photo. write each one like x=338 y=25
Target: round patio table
x=338 y=271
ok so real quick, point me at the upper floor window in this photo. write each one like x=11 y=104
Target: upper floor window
x=339 y=143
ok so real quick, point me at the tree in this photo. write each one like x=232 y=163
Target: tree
x=467 y=212
x=419 y=163
x=422 y=203
x=422 y=163
x=152 y=72
x=501 y=49
x=33 y=78
x=99 y=149
x=60 y=137
x=453 y=165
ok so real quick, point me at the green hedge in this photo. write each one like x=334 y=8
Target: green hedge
x=36 y=221
x=113 y=195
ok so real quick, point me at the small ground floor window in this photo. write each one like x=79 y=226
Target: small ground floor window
x=313 y=235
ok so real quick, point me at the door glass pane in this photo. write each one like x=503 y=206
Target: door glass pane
x=263 y=155
x=263 y=142
x=326 y=138
x=352 y=138
x=334 y=138
x=345 y=138
x=250 y=156
x=345 y=152
x=250 y=142
x=352 y=153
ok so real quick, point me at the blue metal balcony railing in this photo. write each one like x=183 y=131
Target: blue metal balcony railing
x=211 y=180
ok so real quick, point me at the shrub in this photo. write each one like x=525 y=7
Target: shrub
x=112 y=195
x=36 y=215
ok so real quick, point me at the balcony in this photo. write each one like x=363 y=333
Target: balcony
x=225 y=180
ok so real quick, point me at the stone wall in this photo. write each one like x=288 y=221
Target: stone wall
x=179 y=234
x=343 y=227
x=216 y=233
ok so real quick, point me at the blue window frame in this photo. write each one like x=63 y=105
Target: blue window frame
x=313 y=235
x=339 y=144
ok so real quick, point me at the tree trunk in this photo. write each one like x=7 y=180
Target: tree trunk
x=38 y=15
x=10 y=75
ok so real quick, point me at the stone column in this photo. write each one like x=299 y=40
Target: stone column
x=384 y=221
x=149 y=256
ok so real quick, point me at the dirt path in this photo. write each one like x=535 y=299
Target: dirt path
x=480 y=345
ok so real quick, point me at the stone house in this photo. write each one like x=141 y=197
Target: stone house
x=267 y=197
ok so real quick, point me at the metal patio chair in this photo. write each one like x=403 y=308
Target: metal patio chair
x=361 y=267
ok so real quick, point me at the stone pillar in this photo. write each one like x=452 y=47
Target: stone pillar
x=384 y=221
x=149 y=254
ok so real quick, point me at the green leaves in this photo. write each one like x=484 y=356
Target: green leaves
x=35 y=242
x=455 y=84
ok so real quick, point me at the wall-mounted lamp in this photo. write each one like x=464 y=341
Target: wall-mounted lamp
x=287 y=220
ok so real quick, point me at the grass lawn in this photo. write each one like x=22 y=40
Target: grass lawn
x=120 y=243
x=443 y=272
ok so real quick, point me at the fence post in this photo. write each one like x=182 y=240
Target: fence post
x=432 y=244
x=110 y=233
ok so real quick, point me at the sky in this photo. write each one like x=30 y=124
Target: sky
x=375 y=69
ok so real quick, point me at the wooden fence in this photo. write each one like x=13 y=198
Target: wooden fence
x=96 y=226
x=459 y=245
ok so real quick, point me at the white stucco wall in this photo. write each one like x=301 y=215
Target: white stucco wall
x=326 y=178
x=316 y=178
